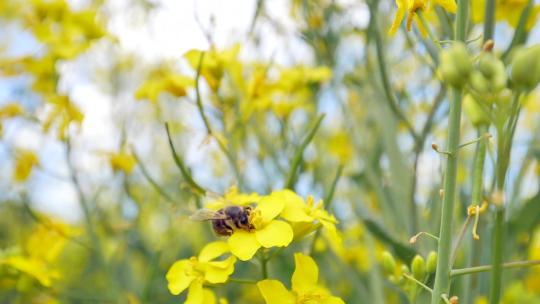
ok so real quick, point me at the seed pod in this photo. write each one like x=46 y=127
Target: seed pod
x=525 y=72
x=487 y=65
x=388 y=262
x=418 y=267
x=473 y=110
x=431 y=264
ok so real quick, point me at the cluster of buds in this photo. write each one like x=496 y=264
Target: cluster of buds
x=419 y=268
x=456 y=65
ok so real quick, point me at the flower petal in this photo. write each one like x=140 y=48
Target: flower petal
x=208 y=296
x=243 y=244
x=400 y=13
x=178 y=278
x=195 y=294
x=270 y=206
x=219 y=272
x=333 y=300
x=305 y=274
x=213 y=250
x=295 y=207
x=274 y=292
x=275 y=233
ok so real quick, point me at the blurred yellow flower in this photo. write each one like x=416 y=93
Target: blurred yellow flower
x=214 y=63
x=268 y=231
x=122 y=161
x=163 y=82
x=10 y=110
x=41 y=251
x=194 y=272
x=305 y=288
x=64 y=112
x=411 y=7
x=25 y=161
x=505 y=10
x=233 y=197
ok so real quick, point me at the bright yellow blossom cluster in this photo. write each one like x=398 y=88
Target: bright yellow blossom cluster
x=276 y=220
x=411 y=7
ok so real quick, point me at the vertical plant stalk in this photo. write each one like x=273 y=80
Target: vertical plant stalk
x=489 y=20
x=442 y=275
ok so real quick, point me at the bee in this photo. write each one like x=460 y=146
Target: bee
x=226 y=220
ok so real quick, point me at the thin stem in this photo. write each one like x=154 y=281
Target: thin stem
x=180 y=164
x=428 y=28
x=489 y=20
x=484 y=268
x=418 y=282
x=150 y=179
x=442 y=279
x=291 y=179
x=264 y=265
x=381 y=61
x=459 y=239
x=497 y=251
x=327 y=203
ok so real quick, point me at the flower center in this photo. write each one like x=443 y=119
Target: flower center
x=310 y=298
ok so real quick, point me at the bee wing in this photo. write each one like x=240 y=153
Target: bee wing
x=206 y=215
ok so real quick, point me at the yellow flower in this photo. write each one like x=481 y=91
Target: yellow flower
x=42 y=250
x=505 y=10
x=64 y=112
x=268 y=232
x=304 y=286
x=11 y=110
x=233 y=197
x=412 y=6
x=194 y=272
x=163 y=82
x=306 y=215
x=214 y=63
x=122 y=161
x=25 y=161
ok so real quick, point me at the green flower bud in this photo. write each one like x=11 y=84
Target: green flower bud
x=418 y=267
x=388 y=262
x=456 y=64
x=472 y=109
x=525 y=72
x=431 y=264
x=489 y=65
x=479 y=83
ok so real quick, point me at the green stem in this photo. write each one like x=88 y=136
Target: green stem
x=442 y=278
x=478 y=173
x=497 y=251
x=484 y=268
x=428 y=29
x=150 y=179
x=264 y=265
x=291 y=179
x=180 y=164
x=489 y=20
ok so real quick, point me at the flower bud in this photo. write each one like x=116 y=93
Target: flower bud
x=489 y=65
x=388 y=262
x=472 y=109
x=525 y=72
x=456 y=64
x=431 y=264
x=418 y=267
x=479 y=83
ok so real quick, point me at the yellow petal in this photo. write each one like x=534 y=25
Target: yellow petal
x=178 y=278
x=243 y=244
x=333 y=300
x=208 y=296
x=400 y=13
x=195 y=295
x=275 y=233
x=295 y=207
x=219 y=272
x=274 y=292
x=270 y=206
x=213 y=250
x=305 y=274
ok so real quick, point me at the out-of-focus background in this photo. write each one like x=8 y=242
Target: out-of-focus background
x=91 y=198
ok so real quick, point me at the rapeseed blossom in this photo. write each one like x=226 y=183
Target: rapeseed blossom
x=192 y=273
x=411 y=7
x=305 y=287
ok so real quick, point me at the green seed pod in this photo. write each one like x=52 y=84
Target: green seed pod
x=525 y=67
x=388 y=262
x=498 y=83
x=460 y=57
x=431 y=264
x=418 y=267
x=473 y=110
